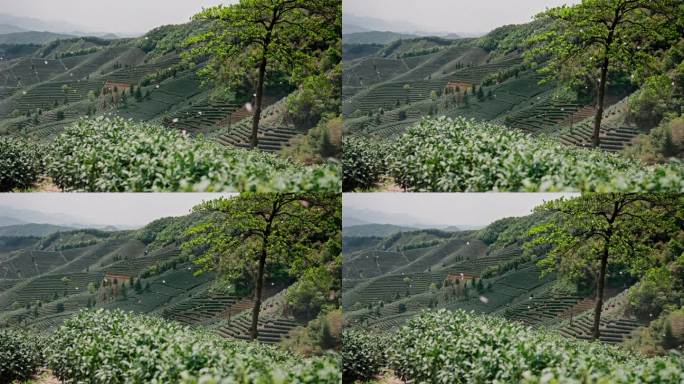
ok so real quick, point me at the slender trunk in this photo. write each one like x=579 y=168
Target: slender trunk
x=600 y=285
x=254 y=333
x=254 y=140
x=596 y=141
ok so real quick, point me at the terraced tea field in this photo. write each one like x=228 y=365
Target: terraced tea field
x=271 y=330
x=385 y=93
x=49 y=287
x=383 y=289
x=40 y=96
x=135 y=266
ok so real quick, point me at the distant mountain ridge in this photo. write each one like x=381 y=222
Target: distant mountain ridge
x=33 y=24
x=375 y=37
x=375 y=230
x=32 y=229
x=32 y=37
x=353 y=24
x=13 y=216
x=9 y=28
x=15 y=24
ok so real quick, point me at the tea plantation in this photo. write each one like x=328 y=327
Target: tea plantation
x=391 y=94
x=479 y=349
x=143 y=303
x=475 y=307
x=47 y=91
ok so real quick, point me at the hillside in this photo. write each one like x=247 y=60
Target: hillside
x=374 y=37
x=44 y=281
x=9 y=28
x=388 y=281
x=31 y=37
x=172 y=84
x=44 y=91
x=41 y=93
x=370 y=230
x=32 y=229
x=505 y=302
x=387 y=91
x=492 y=79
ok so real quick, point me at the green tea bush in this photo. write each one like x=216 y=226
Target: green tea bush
x=21 y=162
x=116 y=155
x=20 y=355
x=362 y=355
x=458 y=347
x=363 y=162
x=463 y=155
x=116 y=347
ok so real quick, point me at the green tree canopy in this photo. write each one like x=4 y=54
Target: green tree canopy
x=586 y=233
x=267 y=35
x=243 y=234
x=583 y=43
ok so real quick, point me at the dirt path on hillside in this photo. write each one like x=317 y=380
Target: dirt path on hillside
x=387 y=184
x=389 y=378
x=45 y=377
x=45 y=184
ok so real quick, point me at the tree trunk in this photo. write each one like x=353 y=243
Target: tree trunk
x=599 y=103
x=254 y=139
x=600 y=285
x=254 y=333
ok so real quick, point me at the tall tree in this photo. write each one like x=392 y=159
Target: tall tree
x=243 y=235
x=587 y=233
x=269 y=35
x=584 y=42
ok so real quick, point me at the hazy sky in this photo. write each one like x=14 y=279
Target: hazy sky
x=118 y=209
x=128 y=16
x=473 y=16
x=443 y=209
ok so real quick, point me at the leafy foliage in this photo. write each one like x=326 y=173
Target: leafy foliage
x=588 y=41
x=363 y=163
x=247 y=234
x=114 y=347
x=648 y=106
x=622 y=33
x=660 y=336
x=321 y=334
x=463 y=155
x=320 y=144
x=21 y=162
x=660 y=144
x=20 y=355
x=362 y=355
x=311 y=293
x=593 y=231
x=288 y=36
x=116 y=155
x=457 y=347
x=317 y=95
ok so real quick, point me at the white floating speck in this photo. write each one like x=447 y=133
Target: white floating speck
x=484 y=299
